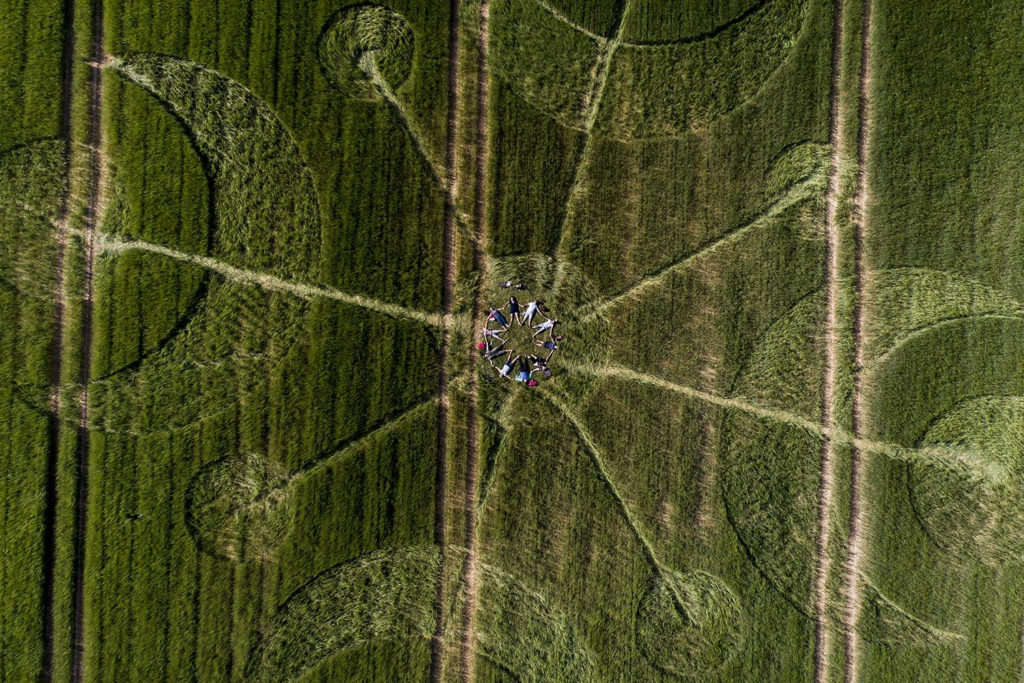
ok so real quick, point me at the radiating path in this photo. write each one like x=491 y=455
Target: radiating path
x=594 y=453
x=800 y=191
x=949 y=456
x=109 y=243
x=592 y=106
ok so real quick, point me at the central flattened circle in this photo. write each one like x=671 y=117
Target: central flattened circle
x=519 y=340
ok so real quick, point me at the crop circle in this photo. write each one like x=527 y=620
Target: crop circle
x=520 y=341
x=358 y=32
x=237 y=509
x=689 y=624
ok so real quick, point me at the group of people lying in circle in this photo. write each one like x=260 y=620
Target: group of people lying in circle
x=521 y=367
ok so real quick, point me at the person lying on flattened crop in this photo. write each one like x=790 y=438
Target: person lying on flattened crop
x=532 y=309
x=506 y=284
x=497 y=317
x=488 y=332
x=496 y=353
x=524 y=370
x=550 y=346
x=513 y=309
x=487 y=348
x=507 y=367
x=546 y=325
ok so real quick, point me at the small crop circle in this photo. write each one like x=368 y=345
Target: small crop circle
x=689 y=624
x=361 y=32
x=238 y=509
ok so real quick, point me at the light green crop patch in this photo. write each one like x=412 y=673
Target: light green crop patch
x=239 y=509
x=390 y=594
x=372 y=31
x=653 y=90
x=695 y=641
x=268 y=215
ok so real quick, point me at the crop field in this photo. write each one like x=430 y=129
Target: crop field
x=246 y=251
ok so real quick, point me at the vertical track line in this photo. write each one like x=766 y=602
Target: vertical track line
x=95 y=189
x=822 y=633
x=57 y=358
x=448 y=276
x=856 y=547
x=472 y=565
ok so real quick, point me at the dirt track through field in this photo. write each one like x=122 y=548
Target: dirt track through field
x=57 y=359
x=472 y=562
x=855 y=551
x=92 y=216
x=449 y=274
x=833 y=279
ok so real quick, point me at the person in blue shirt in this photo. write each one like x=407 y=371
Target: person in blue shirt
x=550 y=345
x=498 y=317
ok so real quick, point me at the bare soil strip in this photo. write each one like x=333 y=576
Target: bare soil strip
x=93 y=208
x=856 y=547
x=109 y=243
x=57 y=359
x=472 y=563
x=833 y=277
x=449 y=275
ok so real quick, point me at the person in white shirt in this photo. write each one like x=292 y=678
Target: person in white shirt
x=545 y=326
